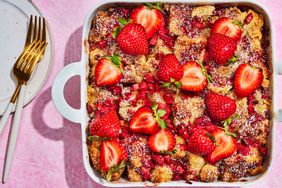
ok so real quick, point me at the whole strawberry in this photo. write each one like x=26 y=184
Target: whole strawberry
x=220 y=107
x=221 y=48
x=132 y=39
x=170 y=68
x=107 y=125
x=200 y=142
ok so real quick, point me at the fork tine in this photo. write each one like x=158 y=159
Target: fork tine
x=35 y=29
x=28 y=54
x=36 y=58
x=44 y=30
x=39 y=29
x=29 y=33
x=32 y=55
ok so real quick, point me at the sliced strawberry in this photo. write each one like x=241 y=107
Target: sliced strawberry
x=107 y=73
x=227 y=27
x=221 y=48
x=143 y=121
x=247 y=80
x=200 y=142
x=132 y=39
x=111 y=154
x=107 y=125
x=162 y=141
x=193 y=79
x=224 y=146
x=169 y=68
x=151 y=19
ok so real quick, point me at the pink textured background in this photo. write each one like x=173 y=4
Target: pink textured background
x=48 y=152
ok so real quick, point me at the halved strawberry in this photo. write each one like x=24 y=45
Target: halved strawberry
x=224 y=146
x=107 y=73
x=227 y=27
x=193 y=79
x=143 y=121
x=162 y=141
x=247 y=80
x=111 y=154
x=221 y=48
x=150 y=18
x=107 y=125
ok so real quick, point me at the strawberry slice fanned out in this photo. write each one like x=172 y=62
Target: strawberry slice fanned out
x=143 y=121
x=247 y=80
x=227 y=27
x=108 y=71
x=225 y=146
x=162 y=141
x=193 y=79
x=150 y=18
x=111 y=154
x=107 y=125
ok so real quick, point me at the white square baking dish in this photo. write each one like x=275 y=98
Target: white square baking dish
x=81 y=68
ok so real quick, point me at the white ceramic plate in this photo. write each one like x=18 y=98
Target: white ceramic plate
x=14 y=19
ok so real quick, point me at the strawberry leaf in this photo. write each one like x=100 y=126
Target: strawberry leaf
x=122 y=21
x=155 y=107
x=211 y=137
x=161 y=112
x=204 y=71
x=178 y=84
x=157 y=6
x=158 y=114
x=96 y=138
x=168 y=152
x=165 y=84
x=233 y=59
x=116 y=32
x=226 y=124
x=161 y=122
x=115 y=60
x=240 y=24
x=115 y=168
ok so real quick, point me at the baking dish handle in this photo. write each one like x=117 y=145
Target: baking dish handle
x=58 y=97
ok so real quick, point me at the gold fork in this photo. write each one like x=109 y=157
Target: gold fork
x=33 y=53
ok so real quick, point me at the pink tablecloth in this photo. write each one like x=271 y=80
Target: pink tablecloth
x=48 y=152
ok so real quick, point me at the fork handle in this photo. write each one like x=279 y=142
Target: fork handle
x=13 y=134
x=6 y=116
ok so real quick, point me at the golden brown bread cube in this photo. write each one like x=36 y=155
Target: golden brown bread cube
x=195 y=163
x=209 y=173
x=180 y=152
x=94 y=153
x=188 y=109
x=134 y=175
x=161 y=174
x=177 y=15
x=190 y=49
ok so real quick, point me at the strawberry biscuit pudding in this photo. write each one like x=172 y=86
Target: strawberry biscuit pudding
x=178 y=92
